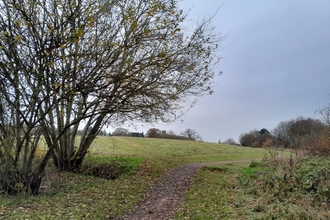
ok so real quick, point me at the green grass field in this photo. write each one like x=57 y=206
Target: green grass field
x=75 y=196
x=174 y=150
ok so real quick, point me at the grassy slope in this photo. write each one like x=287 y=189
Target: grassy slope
x=84 y=197
x=174 y=150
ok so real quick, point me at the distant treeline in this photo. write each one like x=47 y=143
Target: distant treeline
x=188 y=134
x=117 y=132
x=308 y=134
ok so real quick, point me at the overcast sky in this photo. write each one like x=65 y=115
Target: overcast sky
x=276 y=66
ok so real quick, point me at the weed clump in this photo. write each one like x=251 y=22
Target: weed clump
x=289 y=189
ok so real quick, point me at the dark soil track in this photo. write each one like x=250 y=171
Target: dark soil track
x=164 y=197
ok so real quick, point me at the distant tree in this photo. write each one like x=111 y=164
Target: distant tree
x=325 y=114
x=230 y=141
x=171 y=135
x=322 y=146
x=170 y=132
x=267 y=143
x=102 y=133
x=248 y=139
x=264 y=131
x=282 y=134
x=154 y=133
x=121 y=132
x=191 y=134
x=298 y=132
x=254 y=138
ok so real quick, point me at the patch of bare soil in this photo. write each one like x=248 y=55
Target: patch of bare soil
x=165 y=196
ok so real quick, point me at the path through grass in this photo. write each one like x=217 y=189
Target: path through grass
x=73 y=196
x=215 y=194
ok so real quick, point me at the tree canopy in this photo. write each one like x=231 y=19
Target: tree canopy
x=121 y=132
x=154 y=133
x=191 y=134
x=68 y=64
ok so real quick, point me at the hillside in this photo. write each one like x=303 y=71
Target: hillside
x=139 y=161
x=180 y=151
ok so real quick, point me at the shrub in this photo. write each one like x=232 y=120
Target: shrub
x=289 y=185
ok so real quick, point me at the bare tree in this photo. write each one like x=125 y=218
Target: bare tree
x=191 y=134
x=230 y=141
x=127 y=61
x=281 y=134
x=71 y=64
x=325 y=114
x=171 y=132
x=298 y=132
x=27 y=96
x=121 y=132
x=323 y=145
x=20 y=136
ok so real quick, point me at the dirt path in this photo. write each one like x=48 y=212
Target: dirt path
x=165 y=196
